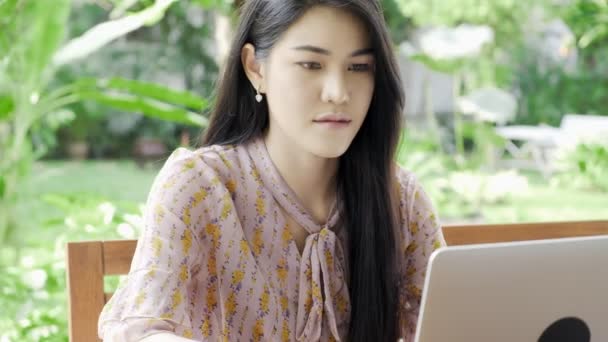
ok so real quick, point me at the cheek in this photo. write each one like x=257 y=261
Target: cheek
x=365 y=83
x=289 y=91
x=361 y=95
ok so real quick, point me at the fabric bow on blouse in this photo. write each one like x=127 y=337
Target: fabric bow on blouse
x=322 y=277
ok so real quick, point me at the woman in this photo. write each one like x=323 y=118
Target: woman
x=293 y=221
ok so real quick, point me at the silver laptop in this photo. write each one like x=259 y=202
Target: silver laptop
x=546 y=291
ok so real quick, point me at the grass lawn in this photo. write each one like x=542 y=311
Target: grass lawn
x=546 y=203
x=116 y=180
x=97 y=181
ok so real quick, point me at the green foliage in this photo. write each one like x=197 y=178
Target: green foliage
x=482 y=144
x=225 y=6
x=460 y=191
x=589 y=21
x=31 y=108
x=114 y=124
x=140 y=97
x=64 y=201
x=29 y=37
x=507 y=19
x=7 y=105
x=424 y=158
x=106 y=32
x=32 y=313
x=399 y=26
x=585 y=167
x=504 y=16
x=30 y=41
x=33 y=291
x=190 y=39
x=549 y=94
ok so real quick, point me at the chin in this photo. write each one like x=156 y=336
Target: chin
x=330 y=150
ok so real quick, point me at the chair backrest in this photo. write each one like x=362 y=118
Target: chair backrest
x=492 y=233
x=88 y=262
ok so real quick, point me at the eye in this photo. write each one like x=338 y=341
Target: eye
x=310 y=65
x=360 y=67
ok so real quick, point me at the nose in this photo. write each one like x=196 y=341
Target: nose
x=335 y=89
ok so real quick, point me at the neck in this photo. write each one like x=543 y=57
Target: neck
x=312 y=178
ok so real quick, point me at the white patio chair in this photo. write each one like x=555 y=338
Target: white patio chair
x=536 y=146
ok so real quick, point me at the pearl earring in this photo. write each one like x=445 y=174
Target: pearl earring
x=258 y=96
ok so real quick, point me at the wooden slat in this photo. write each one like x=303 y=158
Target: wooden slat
x=117 y=256
x=490 y=233
x=84 y=272
x=108 y=295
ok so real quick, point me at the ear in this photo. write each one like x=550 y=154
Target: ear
x=253 y=67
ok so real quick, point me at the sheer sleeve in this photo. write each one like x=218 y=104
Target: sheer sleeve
x=421 y=235
x=156 y=295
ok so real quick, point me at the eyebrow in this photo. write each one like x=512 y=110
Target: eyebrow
x=315 y=49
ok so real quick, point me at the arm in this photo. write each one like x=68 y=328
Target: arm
x=421 y=236
x=155 y=297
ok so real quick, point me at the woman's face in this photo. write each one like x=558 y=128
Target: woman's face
x=318 y=81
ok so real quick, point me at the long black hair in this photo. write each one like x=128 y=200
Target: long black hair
x=365 y=173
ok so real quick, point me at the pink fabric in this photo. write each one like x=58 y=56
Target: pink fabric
x=217 y=260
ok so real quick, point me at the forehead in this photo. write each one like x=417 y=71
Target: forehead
x=334 y=29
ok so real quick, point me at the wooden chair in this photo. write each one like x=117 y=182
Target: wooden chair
x=88 y=262
x=491 y=233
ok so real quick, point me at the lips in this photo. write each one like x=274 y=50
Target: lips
x=333 y=118
x=332 y=121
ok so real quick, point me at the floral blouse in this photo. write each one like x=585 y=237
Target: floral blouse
x=216 y=259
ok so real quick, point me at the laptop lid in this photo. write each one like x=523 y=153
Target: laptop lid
x=520 y=291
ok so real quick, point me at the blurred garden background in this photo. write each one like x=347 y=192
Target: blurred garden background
x=507 y=102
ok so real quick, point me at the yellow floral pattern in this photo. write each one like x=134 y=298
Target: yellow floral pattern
x=217 y=261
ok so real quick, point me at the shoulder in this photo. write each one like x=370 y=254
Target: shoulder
x=221 y=158
x=195 y=184
x=419 y=222
x=186 y=170
x=406 y=180
x=410 y=187
x=215 y=160
x=414 y=201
